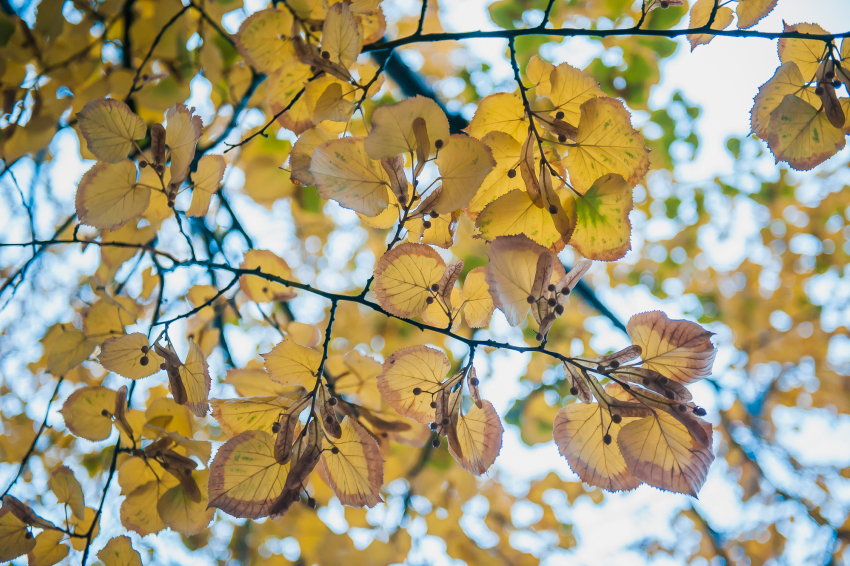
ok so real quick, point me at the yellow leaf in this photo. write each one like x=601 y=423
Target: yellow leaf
x=464 y=162
x=539 y=72
x=435 y=313
x=112 y=258
x=138 y=513
x=355 y=469
x=257 y=383
x=579 y=432
x=392 y=127
x=478 y=304
x=149 y=283
x=235 y=416
x=245 y=478
x=569 y=89
x=511 y=273
x=750 y=12
x=514 y=214
x=47 y=549
x=333 y=105
x=700 y=14
x=82 y=527
x=806 y=53
x=477 y=439
x=285 y=84
x=136 y=472
x=292 y=364
x=263 y=41
x=300 y=115
x=108 y=196
x=195 y=376
x=606 y=143
x=660 y=451
x=67 y=490
x=786 y=80
x=182 y=132
x=205 y=182
x=603 y=229
x=110 y=128
x=69 y=349
x=358 y=377
x=404 y=276
x=83 y=412
x=302 y=153
x=119 y=551
x=261 y=290
x=677 y=349
x=410 y=368
x=501 y=112
x=176 y=417
x=801 y=135
x=124 y=355
x=506 y=152
x=342 y=38
x=108 y=317
x=15 y=538
x=345 y=173
x=180 y=513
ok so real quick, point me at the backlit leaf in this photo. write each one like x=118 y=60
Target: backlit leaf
x=510 y=275
x=501 y=112
x=70 y=349
x=205 y=182
x=806 y=53
x=404 y=276
x=341 y=35
x=602 y=227
x=392 y=127
x=464 y=162
x=123 y=355
x=701 y=12
x=84 y=412
x=568 y=89
x=182 y=132
x=195 y=376
x=345 y=173
x=786 y=80
x=235 y=416
x=801 y=135
x=180 y=513
x=410 y=368
x=48 y=550
x=292 y=364
x=262 y=290
x=477 y=439
x=478 y=304
x=355 y=470
x=119 y=551
x=677 y=349
x=110 y=128
x=14 y=535
x=108 y=196
x=515 y=214
x=263 y=39
x=506 y=153
x=750 y=12
x=67 y=490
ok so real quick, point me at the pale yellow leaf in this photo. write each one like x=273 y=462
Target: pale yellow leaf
x=119 y=551
x=801 y=135
x=355 y=469
x=477 y=303
x=510 y=275
x=292 y=364
x=205 y=183
x=83 y=412
x=677 y=349
x=464 y=162
x=262 y=290
x=750 y=12
x=182 y=132
x=477 y=439
x=110 y=128
x=183 y=515
x=404 y=276
x=806 y=53
x=67 y=490
x=700 y=15
x=263 y=40
x=786 y=80
x=345 y=173
x=108 y=196
x=124 y=355
x=235 y=416
x=408 y=369
x=48 y=550
x=501 y=112
x=392 y=127
x=342 y=38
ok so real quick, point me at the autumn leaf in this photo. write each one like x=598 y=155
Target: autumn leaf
x=392 y=127
x=15 y=539
x=292 y=364
x=47 y=550
x=660 y=451
x=205 y=182
x=110 y=128
x=606 y=143
x=603 y=229
x=478 y=304
x=130 y=356
x=345 y=173
x=182 y=132
x=87 y=412
x=587 y=437
x=138 y=511
x=404 y=276
x=119 y=551
x=262 y=39
x=503 y=178
x=464 y=163
x=333 y=104
x=180 y=513
x=750 y=12
x=501 y=112
x=70 y=349
x=409 y=378
x=677 y=349
x=108 y=196
x=235 y=416
x=477 y=438
x=806 y=53
x=786 y=80
x=354 y=466
x=701 y=14
x=245 y=478
x=341 y=35
x=569 y=88
x=515 y=214
x=801 y=135
x=302 y=154
x=262 y=290
x=195 y=376
x=67 y=490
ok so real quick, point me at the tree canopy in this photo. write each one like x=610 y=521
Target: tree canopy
x=289 y=282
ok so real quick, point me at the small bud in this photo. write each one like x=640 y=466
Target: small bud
x=511 y=173
x=559 y=115
x=699 y=411
x=160 y=168
x=829 y=75
x=433 y=404
x=616 y=418
x=600 y=368
x=438 y=144
x=163 y=366
x=665 y=4
x=265 y=289
x=539 y=337
x=429 y=300
x=144 y=360
x=559 y=310
x=473 y=381
x=614 y=364
x=573 y=390
x=836 y=84
x=552 y=302
x=329 y=419
x=275 y=428
x=326 y=55
x=145 y=349
x=143 y=164
x=435 y=287
x=445 y=421
x=170 y=204
x=663 y=380
x=819 y=90
x=606 y=439
x=105 y=413
x=435 y=443
x=550 y=288
x=28 y=535
x=565 y=291
x=334 y=450
x=562 y=138
x=426 y=224
x=681 y=408
x=626 y=386
x=553 y=209
x=433 y=214
x=332 y=401
x=433 y=426
x=311 y=503
x=417 y=391
x=530 y=300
